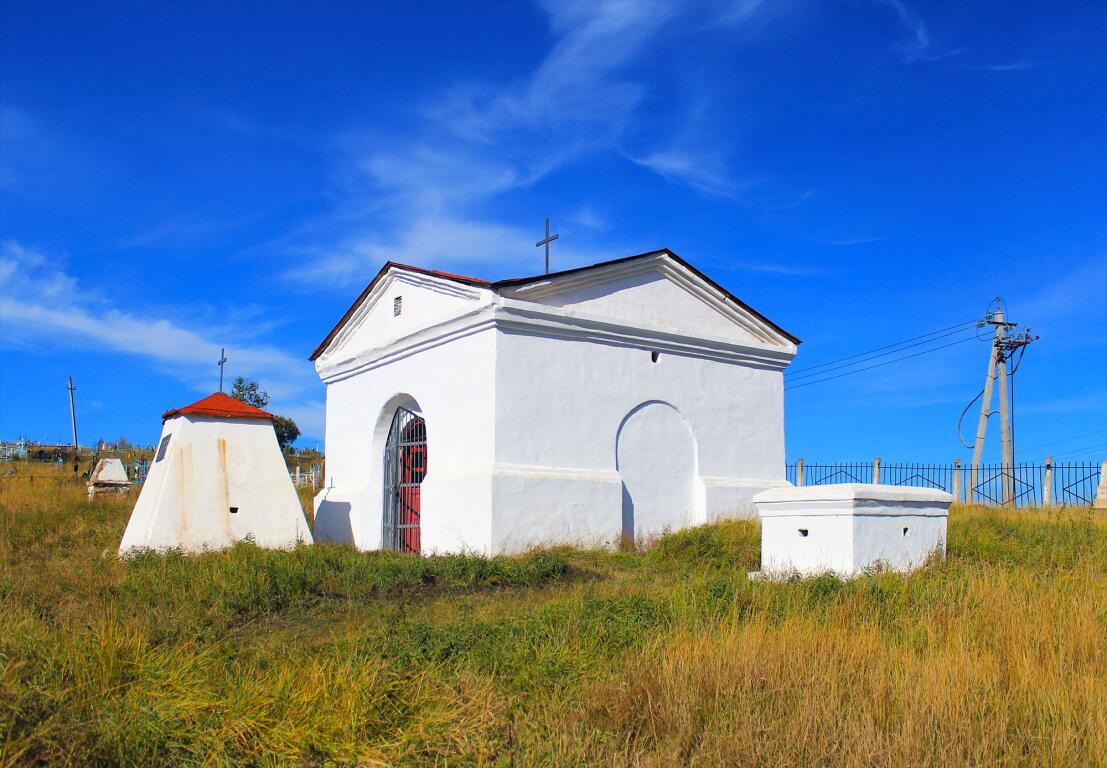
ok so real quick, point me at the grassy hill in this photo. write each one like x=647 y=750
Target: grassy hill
x=324 y=656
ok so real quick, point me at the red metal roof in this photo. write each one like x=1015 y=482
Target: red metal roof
x=220 y=406
x=438 y=273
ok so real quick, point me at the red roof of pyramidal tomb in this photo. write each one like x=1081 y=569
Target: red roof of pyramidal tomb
x=220 y=406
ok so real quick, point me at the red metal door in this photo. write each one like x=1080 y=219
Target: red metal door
x=413 y=467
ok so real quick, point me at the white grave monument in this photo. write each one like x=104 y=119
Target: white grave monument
x=109 y=476
x=218 y=477
x=611 y=401
x=848 y=528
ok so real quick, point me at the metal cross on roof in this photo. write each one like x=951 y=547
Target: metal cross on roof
x=222 y=362
x=546 y=243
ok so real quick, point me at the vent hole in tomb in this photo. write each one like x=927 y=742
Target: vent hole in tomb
x=234 y=510
x=904 y=531
x=654 y=356
x=803 y=532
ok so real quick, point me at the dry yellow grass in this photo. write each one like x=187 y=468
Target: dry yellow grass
x=323 y=656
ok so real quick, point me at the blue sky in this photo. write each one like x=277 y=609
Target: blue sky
x=180 y=177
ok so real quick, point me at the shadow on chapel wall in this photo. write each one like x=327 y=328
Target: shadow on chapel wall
x=332 y=522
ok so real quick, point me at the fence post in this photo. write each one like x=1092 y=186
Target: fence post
x=1101 y=492
x=876 y=470
x=799 y=472
x=957 y=480
x=1047 y=483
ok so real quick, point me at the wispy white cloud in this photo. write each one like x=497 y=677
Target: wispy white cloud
x=696 y=171
x=1075 y=291
x=776 y=268
x=918 y=46
x=433 y=195
x=39 y=302
x=1014 y=66
x=848 y=241
x=579 y=87
x=590 y=219
x=184 y=229
x=16 y=132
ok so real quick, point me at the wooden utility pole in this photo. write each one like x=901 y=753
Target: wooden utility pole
x=73 y=420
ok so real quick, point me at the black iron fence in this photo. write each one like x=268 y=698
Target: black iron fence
x=1063 y=484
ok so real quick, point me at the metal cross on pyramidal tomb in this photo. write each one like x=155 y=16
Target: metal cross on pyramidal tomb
x=222 y=362
x=546 y=243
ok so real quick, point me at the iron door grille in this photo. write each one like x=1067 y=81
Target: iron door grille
x=405 y=465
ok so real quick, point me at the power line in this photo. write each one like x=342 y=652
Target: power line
x=1080 y=451
x=878 y=365
x=874 y=357
x=1065 y=440
x=887 y=346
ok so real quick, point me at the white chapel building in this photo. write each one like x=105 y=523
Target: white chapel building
x=586 y=406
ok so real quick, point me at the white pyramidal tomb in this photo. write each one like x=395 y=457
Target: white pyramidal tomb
x=218 y=477
x=109 y=476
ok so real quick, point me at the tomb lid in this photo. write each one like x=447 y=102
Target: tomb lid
x=853 y=492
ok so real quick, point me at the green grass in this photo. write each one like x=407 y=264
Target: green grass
x=325 y=656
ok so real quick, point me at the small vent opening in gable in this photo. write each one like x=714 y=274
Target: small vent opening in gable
x=397 y=306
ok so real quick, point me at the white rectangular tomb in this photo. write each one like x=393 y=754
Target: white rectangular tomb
x=848 y=528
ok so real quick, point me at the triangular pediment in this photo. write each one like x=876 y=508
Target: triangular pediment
x=654 y=291
x=398 y=302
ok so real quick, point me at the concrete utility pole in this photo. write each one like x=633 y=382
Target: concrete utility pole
x=1047 y=483
x=1006 y=452
x=1101 y=491
x=73 y=419
x=985 y=412
x=1004 y=345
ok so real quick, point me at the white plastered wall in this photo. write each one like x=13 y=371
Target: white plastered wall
x=651 y=298
x=424 y=301
x=560 y=404
x=210 y=466
x=450 y=385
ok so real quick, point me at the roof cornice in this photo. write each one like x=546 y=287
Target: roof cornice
x=679 y=270
x=664 y=263
x=513 y=316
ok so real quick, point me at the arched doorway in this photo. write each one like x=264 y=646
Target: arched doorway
x=655 y=454
x=405 y=466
